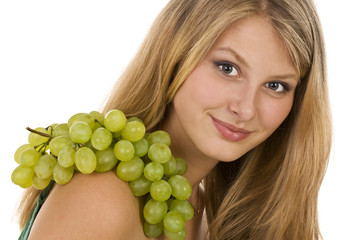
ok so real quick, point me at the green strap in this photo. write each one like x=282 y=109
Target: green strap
x=42 y=197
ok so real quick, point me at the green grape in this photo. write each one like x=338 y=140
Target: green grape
x=80 y=132
x=181 y=235
x=124 y=150
x=181 y=166
x=66 y=156
x=170 y=167
x=153 y=171
x=29 y=157
x=88 y=144
x=101 y=138
x=44 y=167
x=82 y=117
x=160 y=190
x=159 y=152
x=130 y=170
x=159 y=137
x=173 y=221
x=58 y=143
x=98 y=116
x=140 y=186
x=85 y=160
x=154 y=211
x=106 y=160
x=115 y=120
x=117 y=135
x=131 y=119
x=133 y=131
x=181 y=188
x=182 y=206
x=61 y=130
x=36 y=139
x=140 y=147
x=40 y=183
x=22 y=176
x=153 y=230
x=51 y=127
x=62 y=175
x=19 y=151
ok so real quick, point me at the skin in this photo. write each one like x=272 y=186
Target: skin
x=236 y=86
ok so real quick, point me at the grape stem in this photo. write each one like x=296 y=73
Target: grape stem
x=39 y=133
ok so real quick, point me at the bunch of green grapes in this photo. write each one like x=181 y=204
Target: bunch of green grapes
x=98 y=142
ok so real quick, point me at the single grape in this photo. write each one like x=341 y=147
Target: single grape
x=85 y=160
x=19 y=151
x=22 y=176
x=140 y=147
x=140 y=186
x=66 y=156
x=170 y=167
x=106 y=160
x=44 y=167
x=88 y=144
x=29 y=157
x=154 y=211
x=160 y=190
x=135 y=119
x=115 y=120
x=159 y=152
x=124 y=150
x=58 y=143
x=173 y=221
x=62 y=175
x=153 y=230
x=159 y=136
x=82 y=117
x=153 y=171
x=61 y=130
x=133 y=131
x=130 y=170
x=40 y=183
x=181 y=235
x=181 y=166
x=98 y=116
x=80 y=132
x=101 y=138
x=184 y=207
x=181 y=188
x=36 y=139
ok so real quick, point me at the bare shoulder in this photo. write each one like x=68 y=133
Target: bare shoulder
x=95 y=206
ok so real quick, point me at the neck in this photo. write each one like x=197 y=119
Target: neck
x=199 y=165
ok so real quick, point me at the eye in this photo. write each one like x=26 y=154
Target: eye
x=278 y=87
x=228 y=69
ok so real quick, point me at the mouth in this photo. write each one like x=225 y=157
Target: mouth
x=229 y=131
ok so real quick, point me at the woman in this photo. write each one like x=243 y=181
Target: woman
x=240 y=86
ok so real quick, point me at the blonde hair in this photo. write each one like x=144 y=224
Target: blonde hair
x=271 y=192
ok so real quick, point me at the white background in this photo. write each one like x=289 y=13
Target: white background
x=58 y=58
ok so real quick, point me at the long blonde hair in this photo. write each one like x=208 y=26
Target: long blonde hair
x=271 y=192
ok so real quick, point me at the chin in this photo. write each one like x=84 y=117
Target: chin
x=226 y=154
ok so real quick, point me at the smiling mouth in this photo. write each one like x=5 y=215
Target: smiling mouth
x=230 y=132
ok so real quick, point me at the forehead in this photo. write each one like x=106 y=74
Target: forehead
x=255 y=38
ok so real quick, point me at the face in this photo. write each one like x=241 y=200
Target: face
x=238 y=95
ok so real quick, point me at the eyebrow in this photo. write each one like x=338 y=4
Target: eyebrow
x=244 y=62
x=236 y=55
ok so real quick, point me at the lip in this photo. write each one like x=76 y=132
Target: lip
x=229 y=131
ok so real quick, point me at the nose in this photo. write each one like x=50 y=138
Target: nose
x=243 y=104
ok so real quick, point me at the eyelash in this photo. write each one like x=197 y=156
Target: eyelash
x=220 y=66
x=285 y=86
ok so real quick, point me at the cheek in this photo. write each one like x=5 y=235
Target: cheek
x=201 y=87
x=274 y=113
